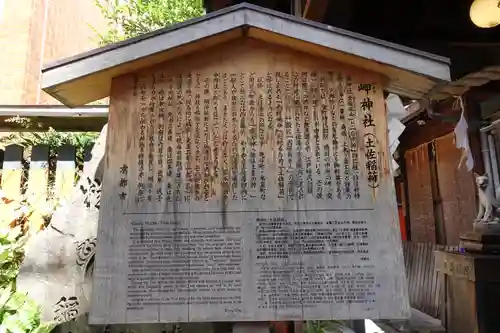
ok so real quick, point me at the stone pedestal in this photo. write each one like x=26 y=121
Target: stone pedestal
x=470 y=290
x=482 y=240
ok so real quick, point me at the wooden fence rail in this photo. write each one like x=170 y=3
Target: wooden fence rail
x=37 y=175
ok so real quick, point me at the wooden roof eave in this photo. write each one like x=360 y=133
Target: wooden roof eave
x=451 y=90
x=87 y=77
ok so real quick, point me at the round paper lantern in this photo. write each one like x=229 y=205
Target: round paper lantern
x=485 y=13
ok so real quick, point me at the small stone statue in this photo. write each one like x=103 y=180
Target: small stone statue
x=488 y=204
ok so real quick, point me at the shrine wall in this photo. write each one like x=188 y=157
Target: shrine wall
x=248 y=183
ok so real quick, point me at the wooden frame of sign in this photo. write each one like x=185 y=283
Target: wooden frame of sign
x=247 y=172
x=249 y=183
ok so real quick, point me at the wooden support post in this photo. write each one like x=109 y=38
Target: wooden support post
x=87 y=157
x=12 y=172
x=37 y=184
x=256 y=327
x=297 y=8
x=298 y=327
x=65 y=172
x=11 y=181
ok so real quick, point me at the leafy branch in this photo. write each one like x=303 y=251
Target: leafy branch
x=51 y=138
x=127 y=19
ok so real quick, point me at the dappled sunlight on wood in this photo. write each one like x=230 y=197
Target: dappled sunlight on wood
x=21 y=213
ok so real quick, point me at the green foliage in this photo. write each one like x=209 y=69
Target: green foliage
x=18 y=313
x=315 y=327
x=11 y=254
x=130 y=18
x=51 y=138
x=323 y=326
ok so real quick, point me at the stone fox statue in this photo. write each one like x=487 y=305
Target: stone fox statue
x=486 y=200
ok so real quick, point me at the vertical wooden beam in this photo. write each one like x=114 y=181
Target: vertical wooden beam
x=297 y=8
x=12 y=172
x=87 y=157
x=38 y=174
x=2 y=157
x=37 y=184
x=65 y=172
x=405 y=194
x=298 y=327
x=437 y=201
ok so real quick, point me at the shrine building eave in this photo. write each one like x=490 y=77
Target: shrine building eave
x=86 y=77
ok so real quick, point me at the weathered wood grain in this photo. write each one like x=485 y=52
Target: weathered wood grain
x=194 y=227
x=38 y=175
x=65 y=172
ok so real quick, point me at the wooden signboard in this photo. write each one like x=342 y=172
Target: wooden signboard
x=248 y=183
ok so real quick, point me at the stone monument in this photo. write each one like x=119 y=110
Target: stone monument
x=246 y=174
x=57 y=269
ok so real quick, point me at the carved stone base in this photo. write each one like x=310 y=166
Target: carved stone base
x=57 y=267
x=481 y=242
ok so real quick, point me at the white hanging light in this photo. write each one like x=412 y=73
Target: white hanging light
x=485 y=13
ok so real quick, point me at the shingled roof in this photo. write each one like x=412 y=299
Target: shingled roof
x=87 y=77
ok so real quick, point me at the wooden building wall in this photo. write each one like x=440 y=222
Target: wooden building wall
x=456 y=189
x=421 y=211
x=441 y=197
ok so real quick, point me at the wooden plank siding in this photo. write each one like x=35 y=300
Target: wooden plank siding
x=423 y=284
x=441 y=195
x=421 y=208
x=457 y=190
